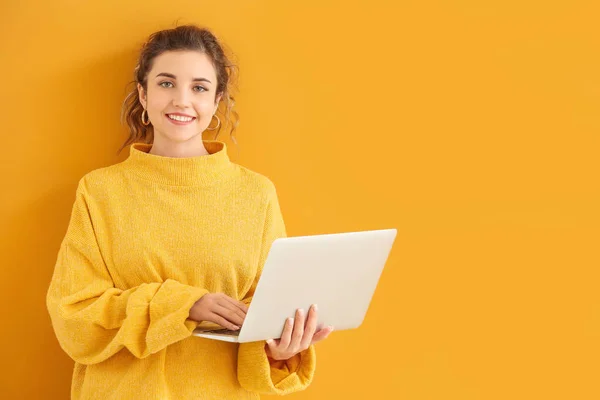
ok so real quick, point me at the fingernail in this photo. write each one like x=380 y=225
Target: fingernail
x=290 y=320
x=235 y=327
x=300 y=311
x=314 y=306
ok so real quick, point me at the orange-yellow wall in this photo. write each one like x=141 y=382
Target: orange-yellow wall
x=470 y=126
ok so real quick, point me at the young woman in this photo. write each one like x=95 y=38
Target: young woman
x=173 y=236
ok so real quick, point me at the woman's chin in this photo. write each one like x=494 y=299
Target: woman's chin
x=181 y=135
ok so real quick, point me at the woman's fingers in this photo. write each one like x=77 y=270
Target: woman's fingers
x=322 y=334
x=310 y=328
x=243 y=306
x=220 y=309
x=298 y=331
x=286 y=335
x=217 y=319
x=273 y=346
x=232 y=308
x=236 y=303
x=232 y=315
x=229 y=302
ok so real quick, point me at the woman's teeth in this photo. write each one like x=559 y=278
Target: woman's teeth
x=180 y=118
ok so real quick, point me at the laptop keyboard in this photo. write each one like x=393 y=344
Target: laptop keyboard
x=225 y=332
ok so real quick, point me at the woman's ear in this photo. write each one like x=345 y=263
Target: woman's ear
x=141 y=95
x=217 y=100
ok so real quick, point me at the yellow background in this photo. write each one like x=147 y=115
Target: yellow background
x=470 y=126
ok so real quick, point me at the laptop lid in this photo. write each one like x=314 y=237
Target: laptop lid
x=339 y=272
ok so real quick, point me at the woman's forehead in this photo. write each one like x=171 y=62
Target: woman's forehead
x=185 y=65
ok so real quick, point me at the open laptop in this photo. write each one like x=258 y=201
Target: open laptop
x=339 y=272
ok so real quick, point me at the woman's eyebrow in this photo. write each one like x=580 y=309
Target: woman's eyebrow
x=168 y=75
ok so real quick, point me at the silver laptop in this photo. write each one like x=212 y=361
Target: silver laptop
x=339 y=272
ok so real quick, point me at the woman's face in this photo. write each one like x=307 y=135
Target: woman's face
x=181 y=98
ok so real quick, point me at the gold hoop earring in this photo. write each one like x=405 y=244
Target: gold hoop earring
x=146 y=122
x=218 y=123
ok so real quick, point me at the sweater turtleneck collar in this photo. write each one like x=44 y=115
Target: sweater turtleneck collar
x=182 y=171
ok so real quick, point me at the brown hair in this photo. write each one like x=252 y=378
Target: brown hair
x=186 y=37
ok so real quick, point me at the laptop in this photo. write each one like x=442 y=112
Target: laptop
x=339 y=272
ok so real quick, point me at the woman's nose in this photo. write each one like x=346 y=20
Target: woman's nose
x=181 y=98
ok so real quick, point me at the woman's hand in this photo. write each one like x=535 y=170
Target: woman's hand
x=220 y=309
x=297 y=337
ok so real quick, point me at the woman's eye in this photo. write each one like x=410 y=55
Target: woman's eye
x=165 y=83
x=199 y=88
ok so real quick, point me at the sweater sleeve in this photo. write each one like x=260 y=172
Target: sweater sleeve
x=92 y=319
x=256 y=372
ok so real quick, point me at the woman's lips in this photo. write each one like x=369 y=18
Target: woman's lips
x=178 y=122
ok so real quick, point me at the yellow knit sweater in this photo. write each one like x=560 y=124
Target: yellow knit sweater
x=148 y=237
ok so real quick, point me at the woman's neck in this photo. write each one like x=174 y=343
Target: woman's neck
x=168 y=148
